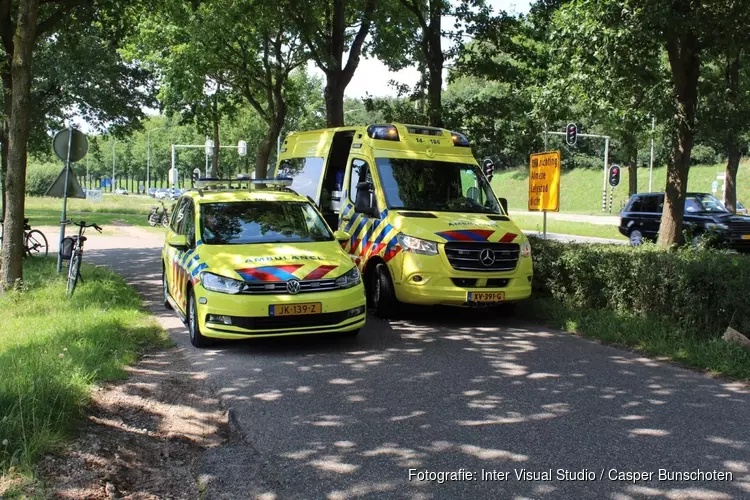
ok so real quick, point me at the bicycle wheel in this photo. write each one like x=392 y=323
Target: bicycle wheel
x=165 y=220
x=74 y=269
x=36 y=244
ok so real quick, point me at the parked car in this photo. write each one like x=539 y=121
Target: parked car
x=121 y=191
x=705 y=215
x=741 y=210
x=152 y=192
x=160 y=194
x=225 y=273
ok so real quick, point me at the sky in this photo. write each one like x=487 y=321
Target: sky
x=372 y=76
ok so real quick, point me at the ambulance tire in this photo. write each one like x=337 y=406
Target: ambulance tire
x=196 y=337
x=382 y=294
x=165 y=290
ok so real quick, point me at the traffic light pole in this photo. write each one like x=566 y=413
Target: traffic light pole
x=606 y=161
x=544 y=212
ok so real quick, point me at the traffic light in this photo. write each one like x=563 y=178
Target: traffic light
x=571 y=134
x=488 y=167
x=614 y=175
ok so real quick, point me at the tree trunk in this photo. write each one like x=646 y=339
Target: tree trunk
x=733 y=164
x=734 y=153
x=215 y=158
x=334 y=97
x=435 y=60
x=23 y=38
x=633 y=169
x=684 y=60
x=7 y=106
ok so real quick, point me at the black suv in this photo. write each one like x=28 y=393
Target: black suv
x=704 y=215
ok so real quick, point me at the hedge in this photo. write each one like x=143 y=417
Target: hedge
x=701 y=290
x=40 y=176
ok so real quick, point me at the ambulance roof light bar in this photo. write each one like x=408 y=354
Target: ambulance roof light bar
x=383 y=132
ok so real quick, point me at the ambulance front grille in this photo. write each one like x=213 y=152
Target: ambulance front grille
x=467 y=256
x=279 y=287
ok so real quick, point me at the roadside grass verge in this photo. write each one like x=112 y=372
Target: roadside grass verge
x=657 y=337
x=53 y=351
x=131 y=210
x=674 y=304
x=536 y=223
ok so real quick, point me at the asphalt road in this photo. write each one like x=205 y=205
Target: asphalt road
x=444 y=390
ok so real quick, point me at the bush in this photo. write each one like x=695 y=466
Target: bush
x=703 y=155
x=700 y=290
x=40 y=176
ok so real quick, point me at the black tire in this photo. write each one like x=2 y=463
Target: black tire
x=74 y=270
x=165 y=290
x=152 y=220
x=36 y=244
x=196 y=337
x=381 y=295
x=165 y=220
x=636 y=238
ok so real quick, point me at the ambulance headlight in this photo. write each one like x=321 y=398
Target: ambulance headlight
x=221 y=284
x=417 y=245
x=349 y=279
x=525 y=249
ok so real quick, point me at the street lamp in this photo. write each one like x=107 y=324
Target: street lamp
x=114 y=145
x=148 y=157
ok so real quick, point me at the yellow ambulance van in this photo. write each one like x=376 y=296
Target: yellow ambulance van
x=424 y=225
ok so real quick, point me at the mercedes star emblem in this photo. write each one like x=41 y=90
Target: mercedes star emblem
x=487 y=257
x=292 y=286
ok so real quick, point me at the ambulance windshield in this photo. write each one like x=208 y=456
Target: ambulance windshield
x=436 y=186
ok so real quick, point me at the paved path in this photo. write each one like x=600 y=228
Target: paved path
x=450 y=390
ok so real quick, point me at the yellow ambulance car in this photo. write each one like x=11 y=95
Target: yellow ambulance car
x=425 y=226
x=257 y=262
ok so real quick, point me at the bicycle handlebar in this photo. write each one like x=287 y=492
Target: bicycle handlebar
x=83 y=224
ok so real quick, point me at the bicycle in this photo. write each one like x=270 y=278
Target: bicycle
x=72 y=250
x=159 y=216
x=34 y=241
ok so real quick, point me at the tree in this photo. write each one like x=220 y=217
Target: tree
x=249 y=62
x=24 y=24
x=615 y=75
x=723 y=118
x=329 y=30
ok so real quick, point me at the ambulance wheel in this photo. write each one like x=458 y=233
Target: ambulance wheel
x=382 y=295
x=196 y=337
x=165 y=290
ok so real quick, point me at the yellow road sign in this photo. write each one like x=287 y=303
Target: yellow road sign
x=544 y=182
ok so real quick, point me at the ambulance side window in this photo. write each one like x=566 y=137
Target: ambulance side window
x=188 y=223
x=363 y=197
x=307 y=174
x=178 y=216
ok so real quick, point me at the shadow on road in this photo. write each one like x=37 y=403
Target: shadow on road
x=442 y=390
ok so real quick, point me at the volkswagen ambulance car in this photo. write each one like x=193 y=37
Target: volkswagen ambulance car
x=257 y=262
x=425 y=226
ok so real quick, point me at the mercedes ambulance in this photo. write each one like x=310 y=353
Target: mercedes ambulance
x=424 y=224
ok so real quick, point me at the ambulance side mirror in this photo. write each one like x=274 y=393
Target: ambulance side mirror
x=341 y=236
x=504 y=204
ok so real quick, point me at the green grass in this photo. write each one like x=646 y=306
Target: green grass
x=535 y=223
x=581 y=189
x=132 y=210
x=658 y=337
x=53 y=351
